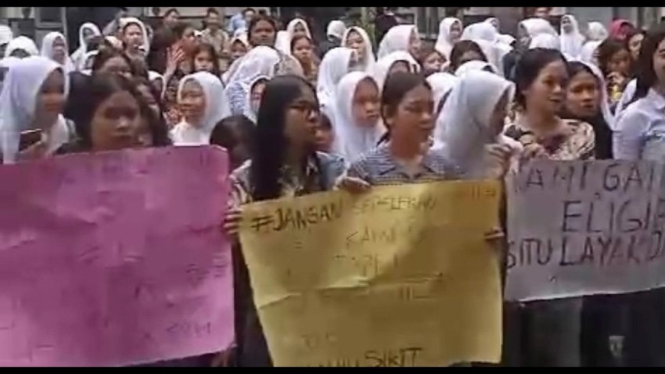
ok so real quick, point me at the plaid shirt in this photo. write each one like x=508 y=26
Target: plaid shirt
x=379 y=167
x=319 y=176
x=218 y=40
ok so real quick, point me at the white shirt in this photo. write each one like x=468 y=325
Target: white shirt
x=635 y=123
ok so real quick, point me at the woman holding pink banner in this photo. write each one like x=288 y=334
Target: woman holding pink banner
x=100 y=128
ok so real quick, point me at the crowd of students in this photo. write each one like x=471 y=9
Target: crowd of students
x=299 y=117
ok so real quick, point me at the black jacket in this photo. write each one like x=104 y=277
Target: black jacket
x=326 y=45
x=383 y=23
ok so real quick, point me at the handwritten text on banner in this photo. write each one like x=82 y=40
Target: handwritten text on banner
x=582 y=228
x=400 y=276
x=114 y=258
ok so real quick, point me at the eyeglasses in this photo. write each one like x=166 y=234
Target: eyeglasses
x=306 y=108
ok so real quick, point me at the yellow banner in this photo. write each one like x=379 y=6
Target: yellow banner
x=401 y=276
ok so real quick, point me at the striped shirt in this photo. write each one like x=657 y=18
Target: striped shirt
x=379 y=167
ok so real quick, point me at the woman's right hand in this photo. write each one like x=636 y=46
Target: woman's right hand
x=231 y=223
x=33 y=152
x=531 y=151
x=617 y=79
x=352 y=185
x=174 y=58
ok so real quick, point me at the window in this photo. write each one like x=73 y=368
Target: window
x=421 y=19
x=48 y=17
x=434 y=18
x=49 y=14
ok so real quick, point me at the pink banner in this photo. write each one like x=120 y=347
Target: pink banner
x=115 y=258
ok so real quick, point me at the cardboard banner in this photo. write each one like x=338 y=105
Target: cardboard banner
x=400 y=276
x=585 y=227
x=114 y=259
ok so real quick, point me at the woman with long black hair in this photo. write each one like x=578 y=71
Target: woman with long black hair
x=284 y=164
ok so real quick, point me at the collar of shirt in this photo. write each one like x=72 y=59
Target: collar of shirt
x=656 y=99
x=291 y=177
x=210 y=32
x=386 y=163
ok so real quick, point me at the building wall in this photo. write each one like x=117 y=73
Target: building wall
x=199 y=12
x=15 y=12
x=584 y=15
x=640 y=16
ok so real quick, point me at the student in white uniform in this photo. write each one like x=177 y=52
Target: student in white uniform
x=33 y=99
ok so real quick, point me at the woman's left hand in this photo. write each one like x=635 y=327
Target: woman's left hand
x=498 y=156
x=495 y=238
x=618 y=79
x=224 y=358
x=34 y=152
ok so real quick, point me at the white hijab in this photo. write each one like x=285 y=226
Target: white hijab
x=336 y=28
x=80 y=52
x=153 y=76
x=242 y=38
x=382 y=67
x=291 y=27
x=443 y=43
x=8 y=62
x=115 y=42
x=596 y=32
x=537 y=26
x=145 y=45
x=24 y=43
x=87 y=61
x=260 y=60
x=396 y=39
x=334 y=66
x=588 y=52
x=6 y=34
x=545 y=41
x=368 y=59
x=501 y=38
x=494 y=22
x=18 y=103
x=507 y=39
x=480 y=31
x=216 y=108
x=473 y=65
x=47 y=49
x=441 y=84
x=571 y=42
x=283 y=41
x=466 y=115
x=485 y=35
x=283 y=38
x=351 y=139
x=604 y=97
x=250 y=112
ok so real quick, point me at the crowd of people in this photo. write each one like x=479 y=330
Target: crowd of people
x=299 y=116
